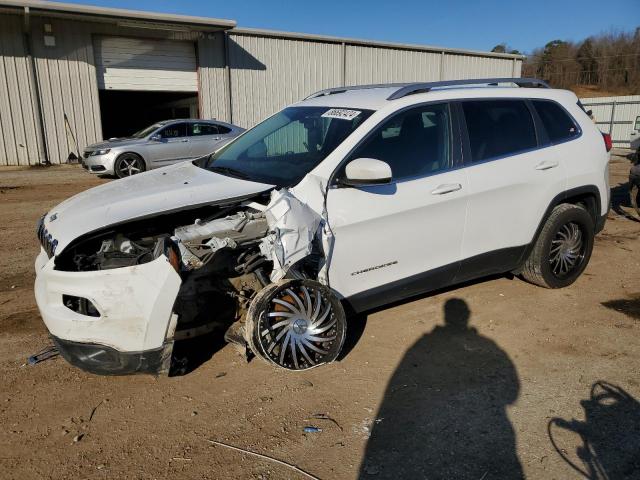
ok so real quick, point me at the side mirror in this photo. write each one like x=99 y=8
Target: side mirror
x=366 y=171
x=155 y=137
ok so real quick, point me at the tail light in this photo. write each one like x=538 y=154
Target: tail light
x=607 y=141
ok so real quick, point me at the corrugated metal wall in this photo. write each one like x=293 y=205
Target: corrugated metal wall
x=626 y=109
x=212 y=75
x=20 y=139
x=467 y=66
x=386 y=65
x=269 y=73
x=67 y=81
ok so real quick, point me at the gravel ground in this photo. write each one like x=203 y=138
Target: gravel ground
x=465 y=383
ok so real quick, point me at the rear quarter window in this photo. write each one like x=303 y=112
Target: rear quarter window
x=557 y=122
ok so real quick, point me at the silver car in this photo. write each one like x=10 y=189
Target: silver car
x=158 y=145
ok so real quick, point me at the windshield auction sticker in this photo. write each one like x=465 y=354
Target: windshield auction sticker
x=341 y=113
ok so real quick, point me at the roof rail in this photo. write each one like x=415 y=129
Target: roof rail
x=331 y=91
x=428 y=86
x=405 y=89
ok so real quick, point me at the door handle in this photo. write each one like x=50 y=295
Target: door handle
x=546 y=165
x=184 y=140
x=446 y=188
x=216 y=138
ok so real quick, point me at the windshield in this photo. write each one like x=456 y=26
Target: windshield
x=146 y=131
x=284 y=148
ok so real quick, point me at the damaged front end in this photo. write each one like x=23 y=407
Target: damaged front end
x=117 y=300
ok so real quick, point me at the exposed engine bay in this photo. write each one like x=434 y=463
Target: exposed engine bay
x=225 y=255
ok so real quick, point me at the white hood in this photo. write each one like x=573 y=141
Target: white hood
x=151 y=193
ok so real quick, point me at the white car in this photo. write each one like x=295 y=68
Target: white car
x=348 y=200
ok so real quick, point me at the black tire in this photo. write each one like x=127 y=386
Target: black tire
x=128 y=164
x=280 y=335
x=634 y=193
x=545 y=267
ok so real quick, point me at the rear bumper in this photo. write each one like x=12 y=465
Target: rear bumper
x=104 y=360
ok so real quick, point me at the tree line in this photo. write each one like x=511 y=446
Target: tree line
x=609 y=61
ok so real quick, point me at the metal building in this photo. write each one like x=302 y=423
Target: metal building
x=71 y=74
x=617 y=116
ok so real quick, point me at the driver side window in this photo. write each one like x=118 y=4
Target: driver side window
x=415 y=142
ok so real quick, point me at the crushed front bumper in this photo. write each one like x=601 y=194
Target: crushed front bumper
x=133 y=328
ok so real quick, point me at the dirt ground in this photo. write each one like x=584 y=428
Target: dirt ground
x=465 y=383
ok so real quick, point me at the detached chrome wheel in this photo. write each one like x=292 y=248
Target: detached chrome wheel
x=129 y=164
x=296 y=324
x=567 y=249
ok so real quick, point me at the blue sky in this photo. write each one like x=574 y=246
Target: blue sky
x=476 y=25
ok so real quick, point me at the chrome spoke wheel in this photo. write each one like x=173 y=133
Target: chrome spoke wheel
x=129 y=165
x=298 y=324
x=567 y=249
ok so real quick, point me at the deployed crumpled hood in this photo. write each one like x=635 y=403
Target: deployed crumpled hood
x=151 y=193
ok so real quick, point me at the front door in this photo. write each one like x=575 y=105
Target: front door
x=172 y=146
x=395 y=240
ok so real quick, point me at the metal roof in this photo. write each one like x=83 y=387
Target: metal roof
x=39 y=6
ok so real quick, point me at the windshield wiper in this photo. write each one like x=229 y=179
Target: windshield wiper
x=232 y=172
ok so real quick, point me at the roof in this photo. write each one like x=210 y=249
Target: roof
x=377 y=97
x=117 y=13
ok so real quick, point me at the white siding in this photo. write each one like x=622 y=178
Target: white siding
x=270 y=73
x=460 y=67
x=212 y=75
x=626 y=110
x=387 y=65
x=67 y=81
x=145 y=64
x=20 y=138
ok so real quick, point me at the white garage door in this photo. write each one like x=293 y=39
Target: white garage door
x=144 y=64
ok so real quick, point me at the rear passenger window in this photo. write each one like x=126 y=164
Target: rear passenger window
x=199 y=129
x=414 y=143
x=558 y=124
x=498 y=128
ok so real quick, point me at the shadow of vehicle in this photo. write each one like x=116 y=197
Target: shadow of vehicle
x=609 y=437
x=444 y=410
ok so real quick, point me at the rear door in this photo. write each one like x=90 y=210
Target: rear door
x=172 y=146
x=204 y=138
x=514 y=173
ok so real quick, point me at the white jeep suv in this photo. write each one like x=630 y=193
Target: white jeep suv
x=348 y=200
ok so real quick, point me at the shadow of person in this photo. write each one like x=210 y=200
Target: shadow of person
x=444 y=411
x=609 y=438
